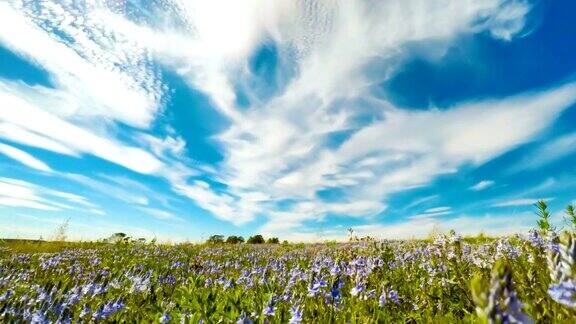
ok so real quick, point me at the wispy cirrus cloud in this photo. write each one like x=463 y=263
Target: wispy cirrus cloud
x=438 y=210
x=548 y=152
x=24 y=158
x=95 y=70
x=98 y=79
x=484 y=184
x=159 y=213
x=24 y=194
x=519 y=202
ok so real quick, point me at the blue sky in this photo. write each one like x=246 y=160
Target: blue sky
x=297 y=119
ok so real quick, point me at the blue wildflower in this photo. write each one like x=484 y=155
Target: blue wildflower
x=39 y=318
x=244 y=319
x=357 y=289
x=85 y=311
x=382 y=299
x=564 y=293
x=270 y=308
x=296 y=315
x=393 y=295
x=335 y=290
x=165 y=318
x=6 y=295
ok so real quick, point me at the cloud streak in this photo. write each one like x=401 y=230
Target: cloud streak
x=24 y=158
x=484 y=184
x=22 y=194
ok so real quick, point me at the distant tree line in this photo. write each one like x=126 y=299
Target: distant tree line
x=233 y=239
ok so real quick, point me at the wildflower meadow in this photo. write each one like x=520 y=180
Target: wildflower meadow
x=448 y=279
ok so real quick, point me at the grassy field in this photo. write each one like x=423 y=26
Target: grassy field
x=444 y=280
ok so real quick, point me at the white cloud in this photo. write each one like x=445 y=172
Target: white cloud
x=28 y=137
x=429 y=215
x=24 y=203
x=519 y=202
x=136 y=188
x=99 y=78
x=482 y=185
x=97 y=71
x=23 y=194
x=221 y=205
x=21 y=114
x=24 y=158
x=420 y=201
x=548 y=152
x=158 y=213
x=437 y=210
x=432 y=213
x=126 y=195
x=15 y=193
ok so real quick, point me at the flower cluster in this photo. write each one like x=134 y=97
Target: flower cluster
x=500 y=304
x=561 y=262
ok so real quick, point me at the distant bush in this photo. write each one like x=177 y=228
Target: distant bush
x=256 y=239
x=233 y=239
x=215 y=239
x=273 y=240
x=118 y=237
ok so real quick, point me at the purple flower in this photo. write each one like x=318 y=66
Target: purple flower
x=108 y=309
x=393 y=295
x=85 y=311
x=270 y=308
x=356 y=290
x=535 y=239
x=296 y=315
x=335 y=270
x=370 y=294
x=564 y=293
x=6 y=295
x=177 y=264
x=228 y=284
x=335 y=290
x=74 y=298
x=382 y=299
x=165 y=318
x=244 y=319
x=39 y=318
x=168 y=280
x=554 y=247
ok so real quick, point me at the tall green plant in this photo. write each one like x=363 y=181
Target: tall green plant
x=544 y=217
x=571 y=215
